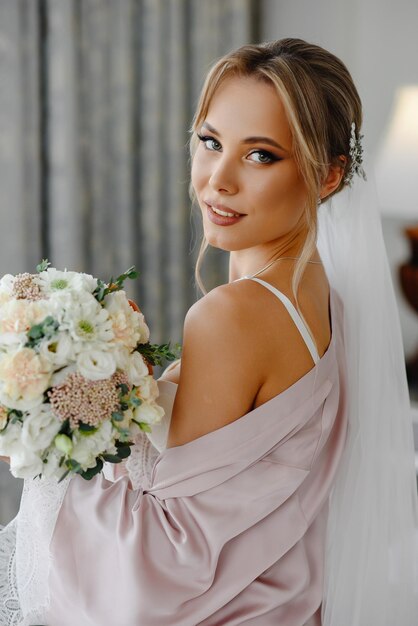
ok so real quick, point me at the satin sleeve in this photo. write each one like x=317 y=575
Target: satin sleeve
x=219 y=512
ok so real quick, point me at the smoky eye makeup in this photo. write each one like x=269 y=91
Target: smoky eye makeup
x=271 y=158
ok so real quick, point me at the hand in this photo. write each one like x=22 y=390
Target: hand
x=136 y=308
x=5 y=459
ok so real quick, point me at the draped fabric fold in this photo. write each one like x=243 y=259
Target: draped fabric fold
x=230 y=529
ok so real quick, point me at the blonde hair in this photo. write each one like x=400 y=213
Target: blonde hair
x=321 y=102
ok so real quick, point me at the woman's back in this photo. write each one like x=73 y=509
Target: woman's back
x=273 y=352
x=233 y=522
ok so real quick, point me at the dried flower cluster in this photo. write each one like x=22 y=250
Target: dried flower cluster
x=25 y=287
x=81 y=400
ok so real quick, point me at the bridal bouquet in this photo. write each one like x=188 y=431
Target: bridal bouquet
x=76 y=382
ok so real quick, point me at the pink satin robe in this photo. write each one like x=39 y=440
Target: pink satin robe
x=230 y=529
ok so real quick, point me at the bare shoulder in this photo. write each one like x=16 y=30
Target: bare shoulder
x=221 y=364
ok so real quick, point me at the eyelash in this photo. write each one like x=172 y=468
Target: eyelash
x=272 y=157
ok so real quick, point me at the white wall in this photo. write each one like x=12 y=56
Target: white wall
x=377 y=40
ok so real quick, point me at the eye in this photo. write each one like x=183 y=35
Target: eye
x=206 y=138
x=267 y=157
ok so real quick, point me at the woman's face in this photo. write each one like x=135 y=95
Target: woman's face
x=244 y=163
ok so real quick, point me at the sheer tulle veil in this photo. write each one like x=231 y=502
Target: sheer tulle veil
x=371 y=565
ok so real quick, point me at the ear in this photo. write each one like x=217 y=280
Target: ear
x=334 y=176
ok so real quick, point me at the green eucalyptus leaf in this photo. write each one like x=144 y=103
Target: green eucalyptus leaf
x=92 y=471
x=111 y=458
x=124 y=451
x=87 y=428
x=43 y=265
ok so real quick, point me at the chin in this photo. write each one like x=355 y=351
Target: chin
x=228 y=244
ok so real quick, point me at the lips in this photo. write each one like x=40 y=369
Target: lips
x=221 y=207
x=222 y=220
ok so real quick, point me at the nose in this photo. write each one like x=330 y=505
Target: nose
x=224 y=176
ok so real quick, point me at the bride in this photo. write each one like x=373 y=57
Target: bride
x=281 y=488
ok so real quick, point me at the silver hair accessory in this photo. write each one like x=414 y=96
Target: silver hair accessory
x=356 y=157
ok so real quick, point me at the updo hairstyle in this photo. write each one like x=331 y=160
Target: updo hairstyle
x=321 y=103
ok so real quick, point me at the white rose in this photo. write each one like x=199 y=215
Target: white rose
x=88 y=447
x=128 y=424
x=148 y=388
x=39 y=428
x=121 y=355
x=10 y=442
x=22 y=404
x=58 y=350
x=25 y=464
x=84 y=452
x=6 y=283
x=96 y=364
x=136 y=369
x=51 y=467
x=149 y=413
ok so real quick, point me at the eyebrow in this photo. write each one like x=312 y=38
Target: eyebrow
x=268 y=140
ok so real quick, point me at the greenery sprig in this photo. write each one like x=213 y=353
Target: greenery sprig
x=155 y=354
x=114 y=284
x=43 y=265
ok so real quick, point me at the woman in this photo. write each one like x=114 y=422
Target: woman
x=224 y=519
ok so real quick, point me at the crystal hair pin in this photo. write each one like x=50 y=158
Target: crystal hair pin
x=356 y=157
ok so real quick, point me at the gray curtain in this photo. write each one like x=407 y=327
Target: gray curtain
x=96 y=100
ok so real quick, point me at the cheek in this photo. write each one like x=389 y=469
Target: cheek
x=198 y=173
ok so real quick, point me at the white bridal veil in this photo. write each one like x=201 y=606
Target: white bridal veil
x=372 y=558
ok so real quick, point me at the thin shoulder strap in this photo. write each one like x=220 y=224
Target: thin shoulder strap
x=293 y=313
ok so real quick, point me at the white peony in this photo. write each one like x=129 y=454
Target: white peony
x=96 y=364
x=39 y=428
x=149 y=413
x=58 y=350
x=136 y=369
x=25 y=464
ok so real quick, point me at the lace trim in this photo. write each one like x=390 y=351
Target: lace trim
x=140 y=462
x=10 y=613
x=25 y=553
x=40 y=505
